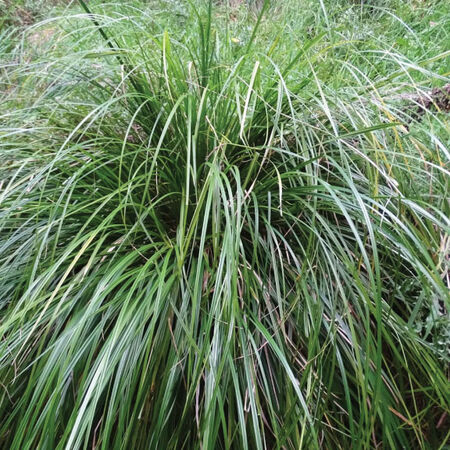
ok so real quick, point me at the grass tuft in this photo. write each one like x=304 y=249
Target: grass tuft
x=222 y=240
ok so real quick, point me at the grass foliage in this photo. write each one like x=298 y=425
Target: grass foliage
x=220 y=240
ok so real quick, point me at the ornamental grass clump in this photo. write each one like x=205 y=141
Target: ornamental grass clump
x=203 y=245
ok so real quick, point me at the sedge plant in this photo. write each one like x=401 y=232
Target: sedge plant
x=205 y=245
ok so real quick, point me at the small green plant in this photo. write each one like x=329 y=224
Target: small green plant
x=206 y=245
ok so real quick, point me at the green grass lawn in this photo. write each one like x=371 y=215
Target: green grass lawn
x=224 y=226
